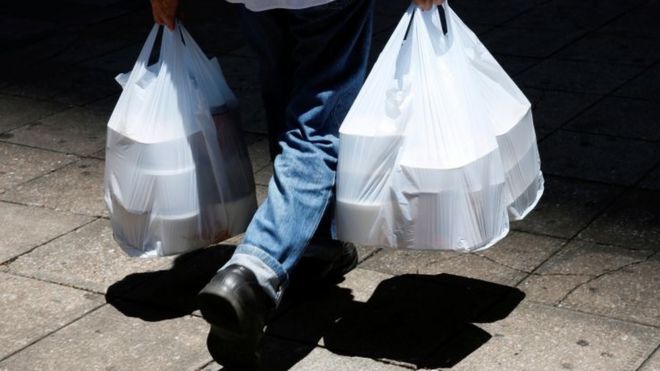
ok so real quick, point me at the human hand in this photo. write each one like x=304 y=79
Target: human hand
x=165 y=11
x=427 y=4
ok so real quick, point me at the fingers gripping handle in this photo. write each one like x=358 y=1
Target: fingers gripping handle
x=441 y=13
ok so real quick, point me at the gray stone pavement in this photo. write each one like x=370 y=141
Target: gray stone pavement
x=575 y=286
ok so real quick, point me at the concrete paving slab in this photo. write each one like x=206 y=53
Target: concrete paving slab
x=362 y=283
x=631 y=293
x=107 y=340
x=597 y=158
x=551 y=288
x=578 y=76
x=72 y=45
x=588 y=258
x=541 y=133
x=366 y=252
x=276 y=354
x=492 y=14
x=632 y=222
x=253 y=137
x=75 y=15
x=530 y=42
x=262 y=193
x=17 y=111
x=175 y=286
x=244 y=51
x=133 y=26
x=76 y=130
x=408 y=318
x=76 y=188
x=87 y=258
x=578 y=263
x=104 y=106
x=34 y=29
x=305 y=317
x=19 y=72
x=24 y=228
x=259 y=155
x=622 y=117
x=399 y=320
x=398 y=261
x=645 y=86
x=321 y=358
x=279 y=354
x=430 y=262
x=600 y=279
x=653 y=363
x=514 y=65
x=85 y=47
x=371 y=315
x=19 y=164
x=567 y=206
x=641 y=22
x=553 y=109
x=651 y=181
x=566 y=15
x=540 y=337
x=262 y=177
x=100 y=155
x=614 y=49
x=71 y=85
x=118 y=61
x=32 y=309
x=523 y=251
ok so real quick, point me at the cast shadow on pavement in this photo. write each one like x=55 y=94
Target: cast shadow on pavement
x=168 y=293
x=423 y=320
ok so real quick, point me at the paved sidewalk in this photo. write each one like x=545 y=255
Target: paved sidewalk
x=576 y=286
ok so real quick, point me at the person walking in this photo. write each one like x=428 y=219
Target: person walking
x=313 y=60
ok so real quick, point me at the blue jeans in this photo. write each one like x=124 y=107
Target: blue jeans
x=313 y=62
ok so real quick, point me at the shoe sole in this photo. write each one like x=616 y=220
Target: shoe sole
x=229 y=343
x=236 y=353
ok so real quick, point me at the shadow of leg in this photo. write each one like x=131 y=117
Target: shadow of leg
x=174 y=289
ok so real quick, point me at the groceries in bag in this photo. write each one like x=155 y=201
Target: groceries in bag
x=438 y=150
x=177 y=178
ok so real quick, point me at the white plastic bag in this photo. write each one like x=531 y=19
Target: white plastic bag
x=171 y=185
x=438 y=150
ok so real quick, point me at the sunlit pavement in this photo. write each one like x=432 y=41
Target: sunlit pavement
x=576 y=286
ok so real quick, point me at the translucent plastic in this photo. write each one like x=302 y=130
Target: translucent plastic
x=438 y=150
x=178 y=176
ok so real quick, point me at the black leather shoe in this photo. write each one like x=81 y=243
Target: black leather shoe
x=237 y=308
x=311 y=271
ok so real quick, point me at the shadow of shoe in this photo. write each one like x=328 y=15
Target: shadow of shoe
x=173 y=290
x=426 y=321
x=281 y=347
x=325 y=305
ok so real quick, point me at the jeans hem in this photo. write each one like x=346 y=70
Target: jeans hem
x=271 y=262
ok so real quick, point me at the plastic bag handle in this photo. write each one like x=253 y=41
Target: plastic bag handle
x=172 y=52
x=143 y=58
x=443 y=21
x=190 y=42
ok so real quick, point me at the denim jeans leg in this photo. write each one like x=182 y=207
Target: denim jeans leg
x=329 y=47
